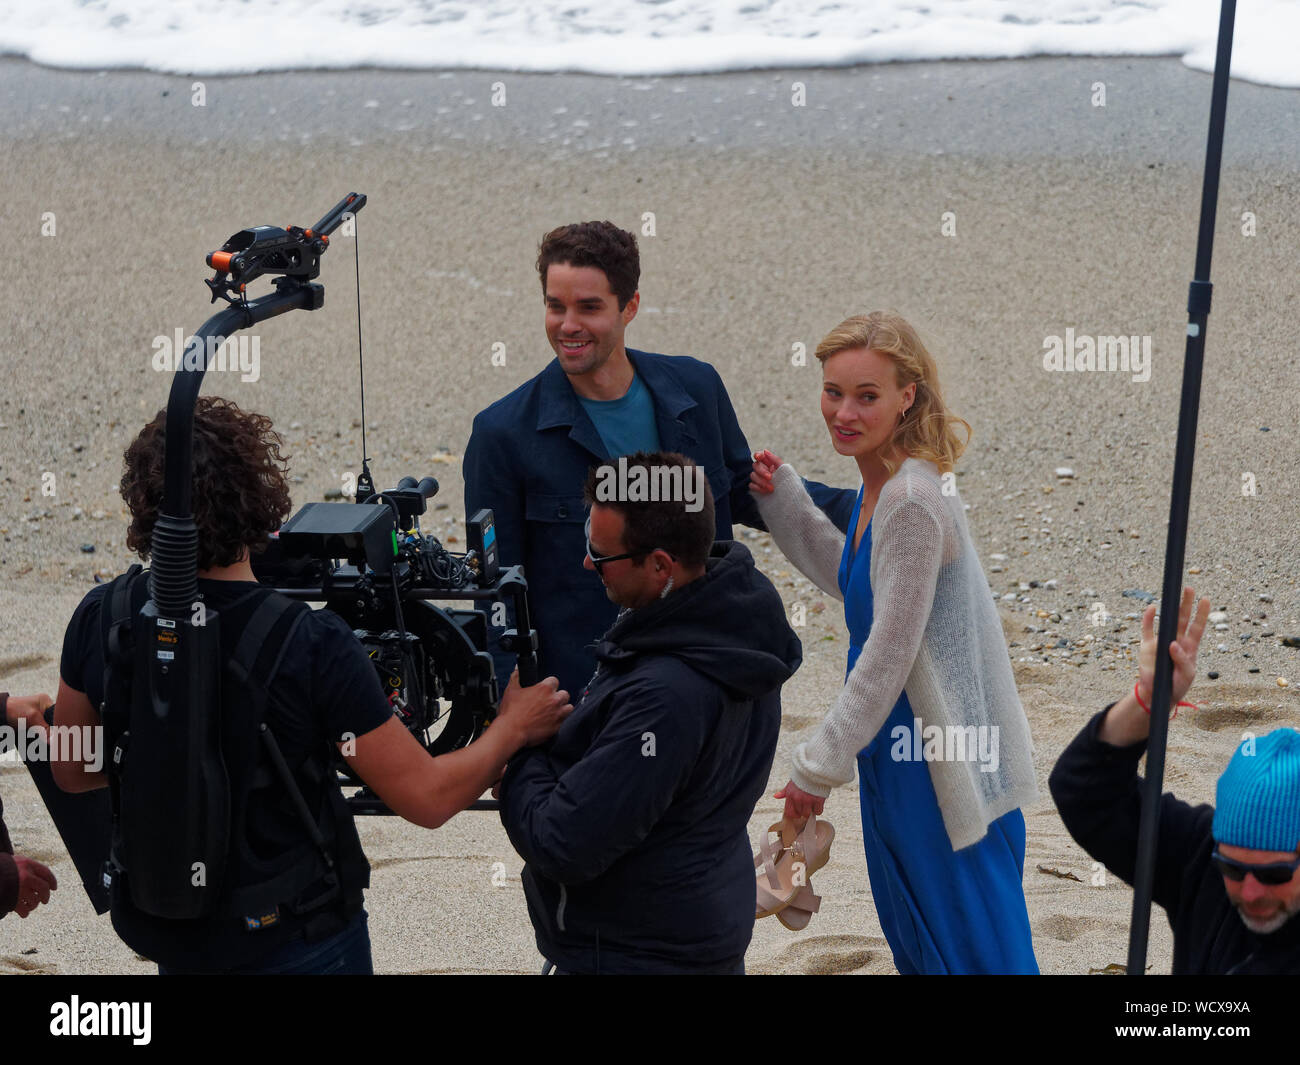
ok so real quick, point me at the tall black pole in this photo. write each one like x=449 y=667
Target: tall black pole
x=1198 y=310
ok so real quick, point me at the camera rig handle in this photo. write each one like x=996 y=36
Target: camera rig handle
x=173 y=575
x=291 y=252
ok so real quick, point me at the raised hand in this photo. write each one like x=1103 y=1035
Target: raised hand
x=765 y=465
x=1183 y=650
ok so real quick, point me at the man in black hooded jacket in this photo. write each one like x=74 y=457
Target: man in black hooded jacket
x=633 y=820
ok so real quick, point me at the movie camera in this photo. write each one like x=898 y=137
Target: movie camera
x=368 y=561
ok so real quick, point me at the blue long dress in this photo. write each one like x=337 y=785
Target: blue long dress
x=941 y=911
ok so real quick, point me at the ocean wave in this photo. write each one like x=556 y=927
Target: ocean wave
x=631 y=37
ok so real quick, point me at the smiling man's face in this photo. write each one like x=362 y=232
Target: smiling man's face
x=583 y=320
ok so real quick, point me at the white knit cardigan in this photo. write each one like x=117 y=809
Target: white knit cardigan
x=935 y=634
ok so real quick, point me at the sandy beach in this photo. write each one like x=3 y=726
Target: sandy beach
x=995 y=204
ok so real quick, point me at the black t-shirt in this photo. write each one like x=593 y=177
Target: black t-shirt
x=325 y=691
x=323 y=661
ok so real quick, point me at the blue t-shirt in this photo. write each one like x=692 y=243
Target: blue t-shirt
x=626 y=425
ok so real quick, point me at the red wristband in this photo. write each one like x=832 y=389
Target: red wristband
x=1148 y=709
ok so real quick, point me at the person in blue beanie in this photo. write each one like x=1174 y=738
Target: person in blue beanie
x=1227 y=875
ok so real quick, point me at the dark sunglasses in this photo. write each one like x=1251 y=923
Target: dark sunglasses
x=600 y=560
x=1271 y=874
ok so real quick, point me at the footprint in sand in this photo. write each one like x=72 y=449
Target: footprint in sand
x=382 y=863
x=827 y=955
x=1238 y=706
x=1067 y=929
x=1030 y=673
x=798 y=721
x=17 y=663
x=45 y=857
x=13 y=963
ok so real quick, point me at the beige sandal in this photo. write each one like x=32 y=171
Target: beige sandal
x=801 y=908
x=776 y=886
x=813 y=844
x=788 y=870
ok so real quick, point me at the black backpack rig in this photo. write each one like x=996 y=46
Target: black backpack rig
x=190 y=765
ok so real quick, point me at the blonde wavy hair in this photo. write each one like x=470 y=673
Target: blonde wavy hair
x=927 y=428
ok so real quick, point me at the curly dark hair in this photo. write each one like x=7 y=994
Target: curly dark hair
x=599 y=244
x=240 y=493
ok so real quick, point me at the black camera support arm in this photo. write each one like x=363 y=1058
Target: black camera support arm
x=173 y=580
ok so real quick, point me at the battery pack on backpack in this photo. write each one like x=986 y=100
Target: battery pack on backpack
x=193 y=763
x=173 y=789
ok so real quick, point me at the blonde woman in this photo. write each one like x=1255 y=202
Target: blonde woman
x=929 y=711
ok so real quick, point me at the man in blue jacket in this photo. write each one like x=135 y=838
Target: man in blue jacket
x=633 y=820
x=529 y=453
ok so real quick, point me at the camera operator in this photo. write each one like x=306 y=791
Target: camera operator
x=325 y=691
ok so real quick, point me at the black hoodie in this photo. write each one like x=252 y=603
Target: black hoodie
x=633 y=821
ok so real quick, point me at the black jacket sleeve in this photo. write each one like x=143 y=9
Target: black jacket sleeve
x=1097 y=791
x=572 y=826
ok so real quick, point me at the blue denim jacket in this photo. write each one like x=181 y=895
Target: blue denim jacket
x=527 y=459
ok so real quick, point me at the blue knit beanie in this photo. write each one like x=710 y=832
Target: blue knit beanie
x=1258 y=801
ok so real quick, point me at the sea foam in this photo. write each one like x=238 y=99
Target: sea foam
x=632 y=37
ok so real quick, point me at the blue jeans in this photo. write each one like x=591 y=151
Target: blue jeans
x=346 y=953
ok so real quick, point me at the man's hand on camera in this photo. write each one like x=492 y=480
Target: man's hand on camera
x=536 y=711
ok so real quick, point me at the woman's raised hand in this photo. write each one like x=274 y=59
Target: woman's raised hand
x=765 y=465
